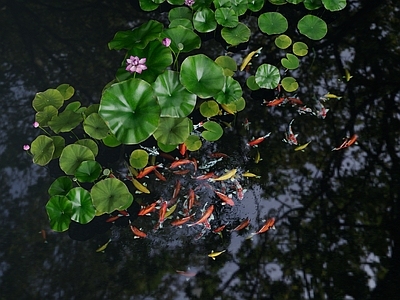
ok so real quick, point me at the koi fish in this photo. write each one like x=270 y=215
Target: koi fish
x=177 y=189
x=219 y=229
x=161 y=215
x=195 y=127
x=257 y=158
x=181 y=172
x=226 y=176
x=103 y=247
x=304 y=110
x=213 y=254
x=347 y=75
x=257 y=141
x=347 y=142
x=140 y=186
x=44 y=235
x=182 y=149
x=322 y=112
x=242 y=225
x=302 y=147
x=148 y=170
x=332 y=96
x=228 y=109
x=246 y=124
x=210 y=164
x=171 y=210
x=239 y=189
x=137 y=232
x=295 y=101
x=218 y=155
x=180 y=222
x=290 y=137
x=204 y=217
x=152 y=151
x=186 y=273
x=205 y=176
x=112 y=219
x=269 y=224
x=275 y=102
x=148 y=209
x=180 y=162
x=159 y=175
x=226 y=199
x=248 y=174
x=248 y=58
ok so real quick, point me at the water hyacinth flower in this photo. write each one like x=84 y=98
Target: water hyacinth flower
x=189 y=2
x=166 y=42
x=136 y=64
x=27 y=147
x=36 y=124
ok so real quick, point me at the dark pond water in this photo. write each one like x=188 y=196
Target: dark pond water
x=337 y=212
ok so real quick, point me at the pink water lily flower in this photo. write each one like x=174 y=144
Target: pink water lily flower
x=136 y=64
x=189 y=2
x=166 y=42
x=27 y=147
x=36 y=124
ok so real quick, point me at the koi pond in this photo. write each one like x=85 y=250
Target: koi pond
x=198 y=149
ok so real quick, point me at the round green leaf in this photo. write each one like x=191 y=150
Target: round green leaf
x=65 y=121
x=181 y=35
x=209 y=108
x=183 y=22
x=312 y=4
x=200 y=4
x=312 y=27
x=83 y=210
x=148 y=5
x=251 y=83
x=49 y=97
x=289 y=84
x=228 y=63
x=95 y=127
x=240 y=104
x=272 y=23
x=111 y=141
x=59 y=144
x=236 y=35
x=60 y=186
x=204 y=20
x=74 y=106
x=110 y=194
x=294 y=1
x=283 y=41
x=176 y=2
x=300 y=48
x=213 y=131
x=166 y=148
x=231 y=91
x=193 y=143
x=44 y=116
x=72 y=156
x=66 y=90
x=267 y=76
x=42 y=149
x=59 y=210
x=180 y=13
x=202 y=76
x=88 y=171
x=90 y=144
x=226 y=17
x=139 y=159
x=290 y=62
x=130 y=110
x=175 y=101
x=94 y=108
x=172 y=131
x=334 y=5
x=255 y=5
x=277 y=2
x=238 y=6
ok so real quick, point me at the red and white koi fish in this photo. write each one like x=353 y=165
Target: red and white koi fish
x=290 y=137
x=148 y=170
x=205 y=216
x=347 y=142
x=147 y=209
x=322 y=112
x=304 y=110
x=275 y=102
x=226 y=199
x=195 y=127
x=239 y=189
x=161 y=215
x=137 y=232
x=257 y=141
x=242 y=225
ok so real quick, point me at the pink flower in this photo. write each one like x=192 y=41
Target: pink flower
x=189 y=2
x=36 y=124
x=166 y=42
x=27 y=147
x=135 y=64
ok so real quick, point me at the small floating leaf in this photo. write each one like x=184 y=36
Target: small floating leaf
x=334 y=5
x=83 y=210
x=272 y=23
x=139 y=159
x=312 y=27
x=42 y=149
x=72 y=156
x=267 y=76
x=59 y=210
x=300 y=48
x=88 y=171
x=236 y=35
x=60 y=186
x=283 y=41
x=209 y=108
x=213 y=131
x=289 y=84
x=95 y=127
x=66 y=90
x=193 y=143
x=290 y=62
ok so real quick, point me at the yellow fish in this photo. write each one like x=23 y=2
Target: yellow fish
x=248 y=174
x=347 y=75
x=248 y=58
x=257 y=158
x=228 y=108
x=140 y=186
x=332 y=96
x=170 y=211
x=226 y=176
x=213 y=254
x=103 y=247
x=302 y=147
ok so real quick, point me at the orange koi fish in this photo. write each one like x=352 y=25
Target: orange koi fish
x=257 y=141
x=242 y=225
x=219 y=229
x=161 y=215
x=268 y=225
x=225 y=198
x=137 y=232
x=159 y=175
x=147 y=209
x=182 y=149
x=204 y=217
x=275 y=102
x=295 y=101
x=205 y=176
x=347 y=142
x=180 y=222
x=147 y=171
x=290 y=137
x=180 y=162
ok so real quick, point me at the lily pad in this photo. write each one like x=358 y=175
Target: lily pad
x=148 y=5
x=213 y=131
x=290 y=62
x=59 y=144
x=166 y=148
x=240 y=104
x=65 y=121
x=42 y=149
x=172 y=131
x=182 y=22
x=131 y=110
x=236 y=35
x=182 y=36
x=193 y=143
x=252 y=84
x=228 y=63
x=44 y=116
x=204 y=20
x=283 y=41
x=83 y=210
x=312 y=4
x=312 y=27
x=94 y=108
x=334 y=5
x=110 y=194
x=49 y=97
x=74 y=106
x=272 y=23
x=226 y=17
x=59 y=210
x=267 y=76
x=60 y=186
x=209 y=108
x=300 y=48
x=95 y=127
x=289 y=84
x=255 y=5
x=231 y=91
x=294 y=1
x=174 y=99
x=66 y=90
x=72 y=156
x=111 y=141
x=180 y=13
x=139 y=159
x=88 y=171
x=90 y=144
x=278 y=2
x=202 y=76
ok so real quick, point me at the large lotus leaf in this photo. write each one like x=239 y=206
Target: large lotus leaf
x=59 y=144
x=65 y=121
x=209 y=108
x=272 y=23
x=231 y=91
x=110 y=194
x=300 y=48
x=236 y=35
x=180 y=13
x=182 y=22
x=312 y=4
x=255 y=5
x=172 y=131
x=193 y=143
x=182 y=39
x=204 y=20
x=290 y=62
x=312 y=27
x=226 y=17
x=138 y=37
x=148 y=5
x=72 y=156
x=158 y=58
x=111 y=141
x=83 y=210
x=283 y=41
x=139 y=159
x=267 y=76
x=66 y=90
x=202 y=76
x=334 y=5
x=42 y=149
x=289 y=84
x=49 y=97
x=90 y=144
x=213 y=131
x=131 y=110
x=44 y=116
x=60 y=186
x=88 y=171
x=59 y=210
x=175 y=101
x=95 y=127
